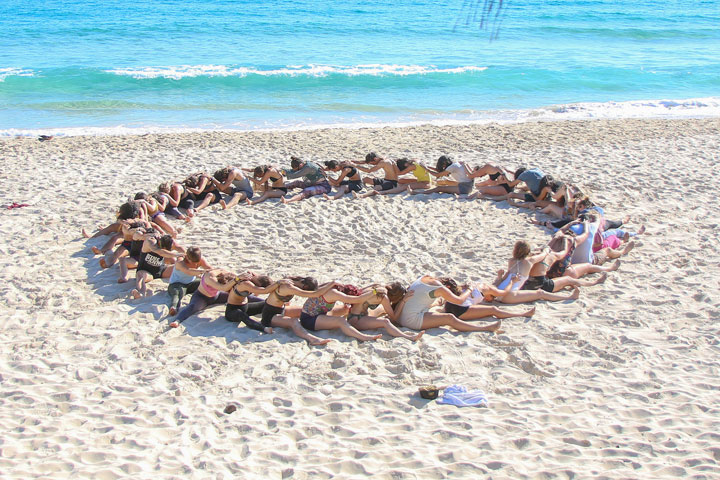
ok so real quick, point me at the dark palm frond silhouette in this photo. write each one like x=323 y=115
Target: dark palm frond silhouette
x=484 y=14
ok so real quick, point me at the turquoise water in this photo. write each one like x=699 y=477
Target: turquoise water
x=72 y=66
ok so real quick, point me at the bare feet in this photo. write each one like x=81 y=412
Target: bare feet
x=615 y=266
x=626 y=219
x=172 y=312
x=641 y=231
x=326 y=196
x=575 y=295
x=629 y=247
x=135 y=294
x=96 y=251
x=602 y=279
x=355 y=195
x=85 y=234
x=174 y=324
x=529 y=313
x=268 y=330
x=284 y=200
x=494 y=327
x=122 y=279
x=418 y=336
x=375 y=337
x=320 y=341
x=223 y=204
x=103 y=263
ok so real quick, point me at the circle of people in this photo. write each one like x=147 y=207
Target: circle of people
x=143 y=239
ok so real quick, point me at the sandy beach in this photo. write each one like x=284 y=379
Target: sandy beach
x=621 y=383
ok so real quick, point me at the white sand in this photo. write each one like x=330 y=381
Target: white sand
x=622 y=383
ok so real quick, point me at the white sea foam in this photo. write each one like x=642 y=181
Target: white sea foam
x=184 y=71
x=686 y=108
x=15 y=72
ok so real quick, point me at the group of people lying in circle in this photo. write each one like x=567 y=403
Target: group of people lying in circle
x=143 y=239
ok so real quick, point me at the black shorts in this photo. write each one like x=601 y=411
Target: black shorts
x=217 y=196
x=385 y=184
x=529 y=198
x=268 y=312
x=455 y=309
x=282 y=189
x=308 y=321
x=353 y=185
x=507 y=187
x=543 y=283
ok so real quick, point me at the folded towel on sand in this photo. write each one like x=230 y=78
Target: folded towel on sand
x=461 y=397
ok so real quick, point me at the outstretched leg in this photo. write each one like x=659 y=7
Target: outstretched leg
x=481 y=311
x=329 y=322
x=566 y=281
x=581 y=269
x=525 y=296
x=236 y=198
x=342 y=190
x=141 y=279
x=293 y=324
x=210 y=197
x=112 y=228
x=111 y=242
x=434 y=320
x=267 y=194
x=371 y=323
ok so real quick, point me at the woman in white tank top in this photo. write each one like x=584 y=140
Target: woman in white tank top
x=414 y=308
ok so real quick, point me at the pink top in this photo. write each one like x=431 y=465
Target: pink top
x=210 y=290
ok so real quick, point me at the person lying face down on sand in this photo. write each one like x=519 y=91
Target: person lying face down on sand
x=413 y=310
x=469 y=309
x=497 y=183
x=184 y=277
x=383 y=314
x=271 y=179
x=458 y=171
x=314 y=180
x=377 y=163
x=232 y=182
x=156 y=259
x=348 y=181
x=507 y=285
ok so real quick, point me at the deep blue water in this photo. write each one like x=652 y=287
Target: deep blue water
x=78 y=66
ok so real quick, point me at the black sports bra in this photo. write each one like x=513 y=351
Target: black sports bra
x=282 y=298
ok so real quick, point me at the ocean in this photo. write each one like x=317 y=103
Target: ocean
x=124 y=66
